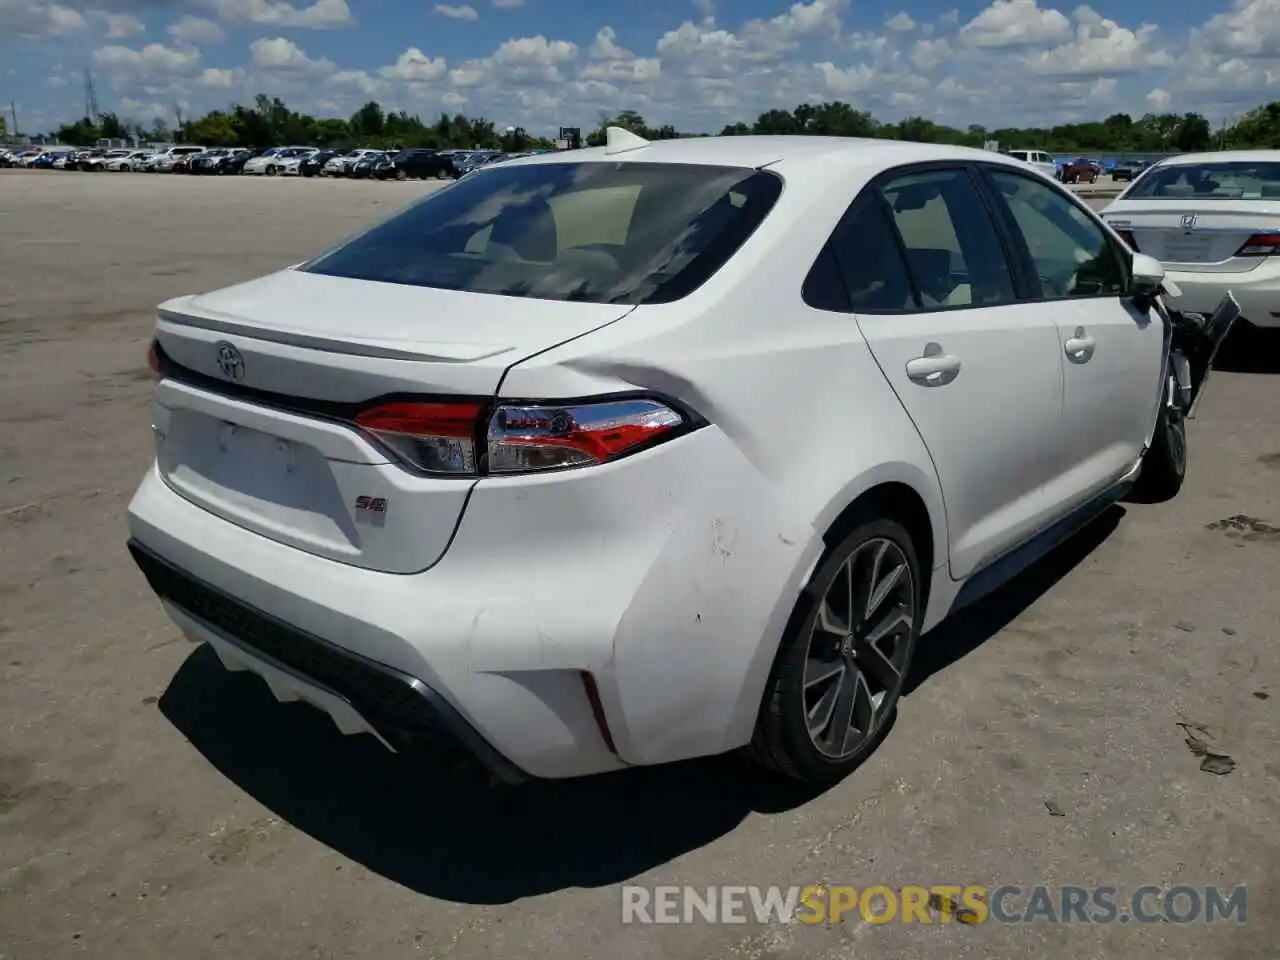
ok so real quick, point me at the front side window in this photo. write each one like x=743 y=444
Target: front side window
x=1072 y=254
x=1232 y=180
x=953 y=252
x=594 y=232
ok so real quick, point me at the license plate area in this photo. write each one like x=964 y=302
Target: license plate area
x=283 y=488
x=1187 y=248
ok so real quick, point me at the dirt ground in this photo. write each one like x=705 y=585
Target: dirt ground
x=152 y=805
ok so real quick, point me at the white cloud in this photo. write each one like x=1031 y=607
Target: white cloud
x=1101 y=48
x=122 y=25
x=1251 y=28
x=635 y=70
x=321 y=15
x=849 y=82
x=606 y=46
x=153 y=66
x=282 y=56
x=415 y=67
x=1015 y=23
x=214 y=78
x=535 y=52
x=358 y=80
x=900 y=22
x=197 y=31
x=29 y=19
x=461 y=12
x=928 y=55
x=1159 y=100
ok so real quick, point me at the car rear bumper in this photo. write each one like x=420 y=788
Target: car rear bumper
x=1257 y=292
x=577 y=624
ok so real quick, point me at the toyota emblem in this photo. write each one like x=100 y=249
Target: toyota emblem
x=230 y=362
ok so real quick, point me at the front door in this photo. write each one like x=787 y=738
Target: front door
x=1112 y=352
x=933 y=290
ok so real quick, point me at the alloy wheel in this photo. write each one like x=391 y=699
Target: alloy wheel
x=858 y=648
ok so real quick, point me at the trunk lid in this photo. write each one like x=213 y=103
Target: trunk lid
x=253 y=424
x=1196 y=236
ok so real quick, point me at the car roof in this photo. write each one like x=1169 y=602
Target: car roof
x=763 y=151
x=1223 y=156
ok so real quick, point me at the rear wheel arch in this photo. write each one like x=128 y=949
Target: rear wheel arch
x=902 y=503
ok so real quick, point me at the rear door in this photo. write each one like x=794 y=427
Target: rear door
x=1112 y=352
x=936 y=295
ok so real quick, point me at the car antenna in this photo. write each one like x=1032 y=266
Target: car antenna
x=620 y=140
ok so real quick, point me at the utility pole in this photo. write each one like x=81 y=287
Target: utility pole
x=90 y=98
x=13 y=112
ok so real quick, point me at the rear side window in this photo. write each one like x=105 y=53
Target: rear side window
x=592 y=232
x=1209 y=181
x=870 y=261
x=953 y=252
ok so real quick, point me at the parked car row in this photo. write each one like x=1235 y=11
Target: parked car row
x=415 y=163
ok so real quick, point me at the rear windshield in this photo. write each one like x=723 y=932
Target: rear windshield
x=1235 y=180
x=591 y=232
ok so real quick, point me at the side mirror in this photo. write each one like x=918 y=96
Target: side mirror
x=1146 y=279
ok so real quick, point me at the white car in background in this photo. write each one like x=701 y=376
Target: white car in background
x=291 y=161
x=163 y=161
x=1038 y=160
x=108 y=160
x=270 y=162
x=341 y=165
x=131 y=160
x=1213 y=220
x=640 y=453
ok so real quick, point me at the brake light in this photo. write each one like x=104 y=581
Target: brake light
x=433 y=437
x=1260 y=245
x=445 y=438
x=1127 y=237
x=153 y=360
x=543 y=437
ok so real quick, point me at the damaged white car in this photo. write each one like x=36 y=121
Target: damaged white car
x=655 y=450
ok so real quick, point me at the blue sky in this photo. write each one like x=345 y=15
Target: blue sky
x=696 y=64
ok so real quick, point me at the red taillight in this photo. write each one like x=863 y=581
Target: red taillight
x=1127 y=237
x=519 y=438
x=544 y=437
x=153 y=360
x=434 y=437
x=1260 y=245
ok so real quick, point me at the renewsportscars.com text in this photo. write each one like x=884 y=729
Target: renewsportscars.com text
x=940 y=903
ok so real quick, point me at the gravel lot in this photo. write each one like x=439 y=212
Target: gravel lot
x=152 y=805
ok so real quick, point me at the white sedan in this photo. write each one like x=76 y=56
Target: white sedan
x=129 y=161
x=270 y=163
x=631 y=455
x=1213 y=219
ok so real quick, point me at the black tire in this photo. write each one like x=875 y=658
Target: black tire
x=1164 y=466
x=272 y=171
x=782 y=742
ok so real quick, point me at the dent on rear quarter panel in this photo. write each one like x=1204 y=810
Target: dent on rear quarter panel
x=694 y=648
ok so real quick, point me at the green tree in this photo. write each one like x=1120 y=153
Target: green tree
x=1192 y=133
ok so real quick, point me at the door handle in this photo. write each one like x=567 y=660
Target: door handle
x=1081 y=345
x=935 y=368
